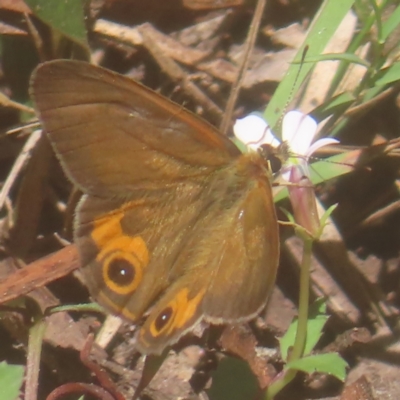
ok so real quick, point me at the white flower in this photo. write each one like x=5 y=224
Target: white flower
x=298 y=131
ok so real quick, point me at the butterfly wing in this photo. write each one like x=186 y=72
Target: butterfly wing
x=230 y=256
x=140 y=160
x=114 y=135
x=129 y=249
x=167 y=211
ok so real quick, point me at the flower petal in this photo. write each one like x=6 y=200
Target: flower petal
x=302 y=198
x=320 y=143
x=250 y=129
x=254 y=131
x=298 y=130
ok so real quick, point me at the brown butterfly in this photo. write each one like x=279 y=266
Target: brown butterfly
x=175 y=225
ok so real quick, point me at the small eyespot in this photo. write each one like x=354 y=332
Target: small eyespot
x=163 y=318
x=121 y=272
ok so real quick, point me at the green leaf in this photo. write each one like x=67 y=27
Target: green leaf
x=339 y=102
x=388 y=75
x=315 y=324
x=11 y=378
x=324 y=170
x=391 y=23
x=233 y=380
x=240 y=145
x=87 y=307
x=65 y=16
x=332 y=167
x=327 y=214
x=322 y=29
x=349 y=57
x=329 y=363
x=318 y=307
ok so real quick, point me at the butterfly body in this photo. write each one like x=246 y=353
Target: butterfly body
x=175 y=223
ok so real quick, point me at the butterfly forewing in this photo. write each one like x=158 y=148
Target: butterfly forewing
x=93 y=116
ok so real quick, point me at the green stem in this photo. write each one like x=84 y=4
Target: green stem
x=304 y=297
x=35 y=341
x=278 y=385
x=301 y=333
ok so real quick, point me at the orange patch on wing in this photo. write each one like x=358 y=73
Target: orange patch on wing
x=117 y=247
x=183 y=309
x=106 y=229
x=189 y=307
x=108 y=234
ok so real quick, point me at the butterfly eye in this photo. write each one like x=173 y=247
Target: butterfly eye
x=163 y=318
x=275 y=163
x=121 y=272
x=274 y=156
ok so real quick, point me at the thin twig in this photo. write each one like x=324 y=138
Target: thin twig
x=19 y=164
x=175 y=72
x=249 y=45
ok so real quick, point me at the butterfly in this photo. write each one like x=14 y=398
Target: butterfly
x=175 y=226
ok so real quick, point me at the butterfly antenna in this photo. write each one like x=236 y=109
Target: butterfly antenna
x=290 y=97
